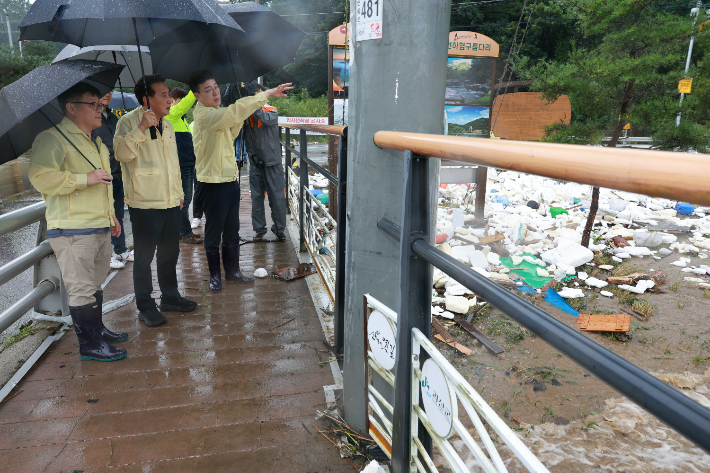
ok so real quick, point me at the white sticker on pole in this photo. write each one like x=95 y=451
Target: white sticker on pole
x=380 y=335
x=369 y=20
x=439 y=399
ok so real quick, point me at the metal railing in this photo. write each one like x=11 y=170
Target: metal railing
x=673 y=175
x=445 y=389
x=47 y=294
x=318 y=230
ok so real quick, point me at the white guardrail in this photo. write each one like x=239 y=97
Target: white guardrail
x=438 y=389
x=319 y=233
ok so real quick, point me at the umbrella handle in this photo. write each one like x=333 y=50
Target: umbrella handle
x=119 y=81
x=153 y=131
x=65 y=137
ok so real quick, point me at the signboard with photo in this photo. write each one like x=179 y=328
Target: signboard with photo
x=469 y=83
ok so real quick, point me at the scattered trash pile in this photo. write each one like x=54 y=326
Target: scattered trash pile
x=531 y=240
x=623 y=438
x=355 y=448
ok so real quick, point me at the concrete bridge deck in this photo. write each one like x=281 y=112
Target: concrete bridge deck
x=215 y=390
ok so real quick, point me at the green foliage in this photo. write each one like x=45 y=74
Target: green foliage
x=686 y=137
x=301 y=105
x=310 y=69
x=625 y=67
x=35 y=54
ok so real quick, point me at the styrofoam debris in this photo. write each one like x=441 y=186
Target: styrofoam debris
x=606 y=293
x=457 y=304
x=447 y=315
x=640 y=287
x=665 y=251
x=543 y=273
x=446 y=248
x=373 y=467
x=568 y=253
x=517 y=260
x=606 y=267
x=594 y=282
x=436 y=310
x=582 y=275
x=569 y=293
x=680 y=263
x=261 y=273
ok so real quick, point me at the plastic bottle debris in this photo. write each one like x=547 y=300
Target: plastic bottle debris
x=261 y=273
x=501 y=199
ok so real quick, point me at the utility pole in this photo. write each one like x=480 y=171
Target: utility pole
x=397 y=82
x=9 y=34
x=695 y=11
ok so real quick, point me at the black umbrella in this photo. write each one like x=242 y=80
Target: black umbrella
x=30 y=104
x=267 y=43
x=117 y=22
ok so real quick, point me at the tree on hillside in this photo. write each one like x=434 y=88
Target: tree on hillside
x=628 y=70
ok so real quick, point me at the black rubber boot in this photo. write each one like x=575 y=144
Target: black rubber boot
x=107 y=335
x=215 y=272
x=152 y=317
x=230 y=256
x=176 y=305
x=91 y=346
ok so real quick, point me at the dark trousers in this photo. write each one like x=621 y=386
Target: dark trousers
x=155 y=229
x=188 y=180
x=119 y=242
x=197 y=208
x=269 y=179
x=221 y=204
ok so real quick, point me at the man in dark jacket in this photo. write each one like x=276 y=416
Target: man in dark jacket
x=108 y=128
x=266 y=174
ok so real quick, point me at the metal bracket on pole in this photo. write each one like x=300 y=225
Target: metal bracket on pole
x=303 y=184
x=414 y=308
x=339 y=320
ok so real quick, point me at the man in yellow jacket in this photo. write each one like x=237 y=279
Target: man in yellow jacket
x=153 y=188
x=73 y=176
x=214 y=132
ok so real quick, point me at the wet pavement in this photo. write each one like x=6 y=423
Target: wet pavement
x=218 y=389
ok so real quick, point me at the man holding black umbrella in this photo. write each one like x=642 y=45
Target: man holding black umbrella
x=153 y=186
x=71 y=173
x=215 y=130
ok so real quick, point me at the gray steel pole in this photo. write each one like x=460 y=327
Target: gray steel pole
x=303 y=185
x=690 y=53
x=397 y=82
x=9 y=34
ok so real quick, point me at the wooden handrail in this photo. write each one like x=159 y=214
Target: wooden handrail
x=327 y=129
x=678 y=176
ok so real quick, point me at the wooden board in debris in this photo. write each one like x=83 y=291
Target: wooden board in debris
x=604 y=322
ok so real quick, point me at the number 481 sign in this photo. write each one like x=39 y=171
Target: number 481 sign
x=369 y=19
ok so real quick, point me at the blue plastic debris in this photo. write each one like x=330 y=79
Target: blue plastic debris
x=684 y=209
x=500 y=199
x=555 y=299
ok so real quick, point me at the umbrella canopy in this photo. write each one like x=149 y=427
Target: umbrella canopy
x=126 y=55
x=267 y=43
x=266 y=28
x=123 y=100
x=30 y=104
x=102 y=22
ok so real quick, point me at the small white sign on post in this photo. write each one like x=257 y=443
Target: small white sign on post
x=303 y=120
x=439 y=399
x=382 y=339
x=368 y=20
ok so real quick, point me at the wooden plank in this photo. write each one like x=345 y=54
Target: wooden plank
x=458 y=346
x=487 y=342
x=604 y=322
x=441 y=330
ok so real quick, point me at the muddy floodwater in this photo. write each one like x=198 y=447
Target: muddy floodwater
x=570 y=419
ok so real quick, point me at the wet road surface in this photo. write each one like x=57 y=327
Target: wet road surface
x=223 y=388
